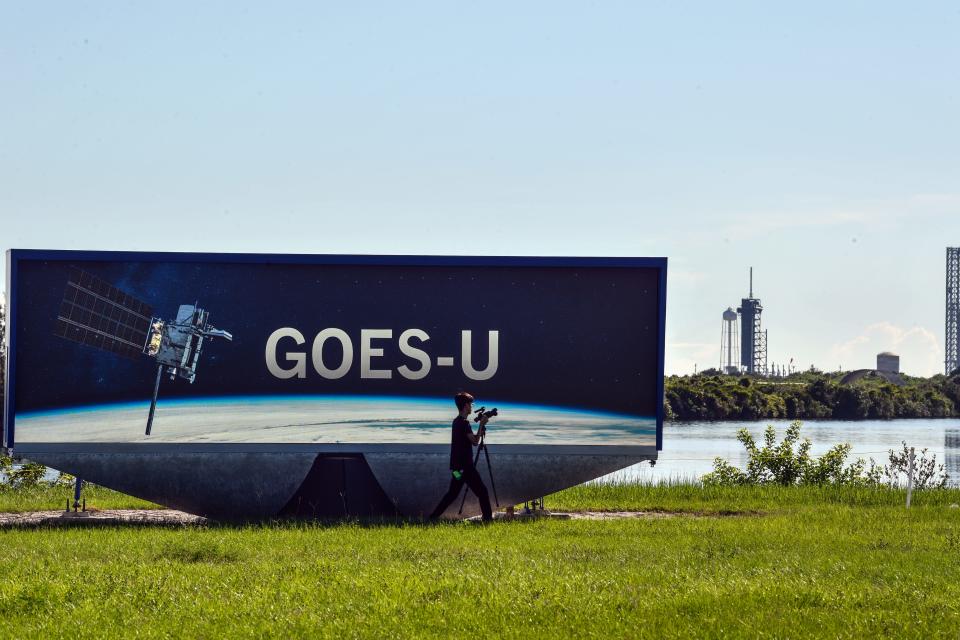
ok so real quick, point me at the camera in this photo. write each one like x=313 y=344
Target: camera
x=483 y=413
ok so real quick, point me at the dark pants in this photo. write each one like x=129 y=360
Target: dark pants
x=471 y=478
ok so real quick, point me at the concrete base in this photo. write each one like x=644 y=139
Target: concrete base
x=229 y=484
x=416 y=482
x=224 y=486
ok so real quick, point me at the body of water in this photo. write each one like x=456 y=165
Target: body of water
x=690 y=447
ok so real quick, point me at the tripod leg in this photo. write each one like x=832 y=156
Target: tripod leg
x=463 y=501
x=493 y=485
x=466 y=489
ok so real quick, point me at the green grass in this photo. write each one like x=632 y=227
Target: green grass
x=669 y=496
x=46 y=498
x=693 y=498
x=816 y=562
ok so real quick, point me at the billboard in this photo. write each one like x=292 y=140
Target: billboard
x=117 y=358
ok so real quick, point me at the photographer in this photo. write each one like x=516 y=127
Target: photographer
x=462 y=470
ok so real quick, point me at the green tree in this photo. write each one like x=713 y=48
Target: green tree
x=809 y=396
x=822 y=390
x=852 y=403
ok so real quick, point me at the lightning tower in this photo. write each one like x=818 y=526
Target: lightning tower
x=952 y=360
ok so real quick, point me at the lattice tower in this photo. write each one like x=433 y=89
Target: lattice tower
x=760 y=349
x=952 y=343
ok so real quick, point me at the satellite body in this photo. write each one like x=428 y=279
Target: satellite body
x=181 y=341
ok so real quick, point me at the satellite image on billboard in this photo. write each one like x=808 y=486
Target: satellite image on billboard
x=340 y=350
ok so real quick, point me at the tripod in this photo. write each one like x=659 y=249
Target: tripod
x=481 y=447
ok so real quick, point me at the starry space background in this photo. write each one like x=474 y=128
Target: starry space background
x=576 y=337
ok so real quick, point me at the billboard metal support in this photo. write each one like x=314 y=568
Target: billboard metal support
x=77 y=488
x=153 y=402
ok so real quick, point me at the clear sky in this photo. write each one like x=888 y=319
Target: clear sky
x=818 y=143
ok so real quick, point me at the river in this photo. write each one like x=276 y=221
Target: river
x=690 y=447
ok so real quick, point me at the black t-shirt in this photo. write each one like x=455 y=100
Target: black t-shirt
x=461 y=449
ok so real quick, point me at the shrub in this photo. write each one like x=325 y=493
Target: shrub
x=789 y=463
x=927 y=474
x=29 y=474
x=6 y=466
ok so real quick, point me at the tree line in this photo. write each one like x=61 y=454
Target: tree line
x=809 y=395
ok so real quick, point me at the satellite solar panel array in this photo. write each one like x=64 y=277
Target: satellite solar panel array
x=96 y=313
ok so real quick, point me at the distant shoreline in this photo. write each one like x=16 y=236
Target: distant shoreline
x=714 y=397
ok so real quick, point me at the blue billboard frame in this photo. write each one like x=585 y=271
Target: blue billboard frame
x=15 y=256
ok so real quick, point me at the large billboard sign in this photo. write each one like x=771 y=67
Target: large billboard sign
x=119 y=361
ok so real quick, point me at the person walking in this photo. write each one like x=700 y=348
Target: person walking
x=462 y=470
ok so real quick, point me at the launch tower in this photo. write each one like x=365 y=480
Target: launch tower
x=753 y=339
x=952 y=360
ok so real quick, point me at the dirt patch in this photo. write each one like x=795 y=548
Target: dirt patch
x=628 y=515
x=170 y=517
x=98 y=517
x=619 y=515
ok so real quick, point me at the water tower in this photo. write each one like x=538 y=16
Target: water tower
x=729 y=345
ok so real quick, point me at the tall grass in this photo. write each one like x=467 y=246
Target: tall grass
x=689 y=496
x=670 y=495
x=45 y=497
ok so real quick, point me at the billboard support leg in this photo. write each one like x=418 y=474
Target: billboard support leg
x=77 y=488
x=153 y=403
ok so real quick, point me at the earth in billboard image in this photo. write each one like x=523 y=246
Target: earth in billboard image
x=328 y=420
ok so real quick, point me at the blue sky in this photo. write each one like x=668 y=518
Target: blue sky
x=819 y=144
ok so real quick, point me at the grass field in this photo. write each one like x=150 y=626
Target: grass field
x=45 y=498
x=774 y=562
